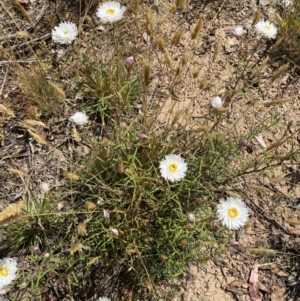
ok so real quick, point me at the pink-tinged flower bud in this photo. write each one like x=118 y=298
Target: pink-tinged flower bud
x=191 y=227
x=129 y=62
x=105 y=214
x=143 y=137
x=46 y=254
x=243 y=143
x=188 y=277
x=60 y=206
x=265 y=74
x=114 y=232
x=234 y=243
x=191 y=217
x=2 y=292
x=35 y=249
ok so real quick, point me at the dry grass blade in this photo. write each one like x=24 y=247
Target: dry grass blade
x=22 y=10
x=217 y=49
x=18 y=172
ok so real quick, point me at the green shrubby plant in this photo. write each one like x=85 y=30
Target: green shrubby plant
x=142 y=201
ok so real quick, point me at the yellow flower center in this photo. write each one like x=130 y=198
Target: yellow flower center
x=4 y=271
x=267 y=27
x=66 y=31
x=233 y=212
x=111 y=11
x=173 y=167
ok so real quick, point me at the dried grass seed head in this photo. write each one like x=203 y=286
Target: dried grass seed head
x=197 y=28
x=177 y=36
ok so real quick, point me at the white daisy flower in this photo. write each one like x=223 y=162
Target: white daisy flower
x=64 y=33
x=233 y=213
x=216 y=102
x=238 y=31
x=173 y=168
x=266 y=28
x=8 y=269
x=110 y=11
x=103 y=299
x=79 y=118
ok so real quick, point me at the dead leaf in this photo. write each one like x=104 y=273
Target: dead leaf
x=238 y=283
x=274 y=268
x=261 y=140
x=278 y=294
x=264 y=288
x=293 y=232
x=258 y=187
x=293 y=221
x=237 y=291
x=253 y=284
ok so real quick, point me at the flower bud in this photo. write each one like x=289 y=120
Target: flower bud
x=114 y=232
x=46 y=254
x=143 y=137
x=191 y=227
x=105 y=214
x=243 y=143
x=60 y=205
x=79 y=118
x=188 y=277
x=216 y=102
x=191 y=217
x=44 y=187
x=234 y=243
x=35 y=249
x=129 y=62
x=238 y=31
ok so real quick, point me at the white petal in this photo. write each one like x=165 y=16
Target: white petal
x=79 y=118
